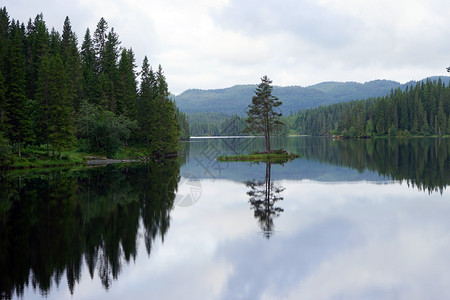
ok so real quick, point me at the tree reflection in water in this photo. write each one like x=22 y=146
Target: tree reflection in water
x=263 y=197
x=51 y=222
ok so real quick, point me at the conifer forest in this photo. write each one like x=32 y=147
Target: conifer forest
x=420 y=110
x=58 y=93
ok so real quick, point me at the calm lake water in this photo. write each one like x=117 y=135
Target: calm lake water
x=352 y=219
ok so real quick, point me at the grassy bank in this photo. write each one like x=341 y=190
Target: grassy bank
x=281 y=156
x=36 y=157
x=39 y=159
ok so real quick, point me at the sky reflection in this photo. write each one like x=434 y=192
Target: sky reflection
x=358 y=240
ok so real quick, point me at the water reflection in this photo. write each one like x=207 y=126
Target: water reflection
x=337 y=225
x=51 y=222
x=423 y=163
x=263 y=197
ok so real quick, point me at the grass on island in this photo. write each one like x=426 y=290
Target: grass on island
x=273 y=156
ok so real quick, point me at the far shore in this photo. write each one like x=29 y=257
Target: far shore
x=237 y=136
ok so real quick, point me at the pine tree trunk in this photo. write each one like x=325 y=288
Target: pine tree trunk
x=266 y=136
x=20 y=154
x=267 y=133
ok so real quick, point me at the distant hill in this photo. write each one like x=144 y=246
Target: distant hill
x=234 y=100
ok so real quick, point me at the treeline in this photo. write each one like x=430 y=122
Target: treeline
x=215 y=124
x=422 y=109
x=220 y=124
x=57 y=94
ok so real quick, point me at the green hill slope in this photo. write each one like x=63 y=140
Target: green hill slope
x=234 y=100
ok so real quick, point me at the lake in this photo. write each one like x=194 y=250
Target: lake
x=350 y=219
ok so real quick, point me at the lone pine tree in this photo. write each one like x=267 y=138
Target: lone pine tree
x=261 y=115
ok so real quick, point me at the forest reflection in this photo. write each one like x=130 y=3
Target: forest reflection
x=263 y=198
x=51 y=222
x=423 y=163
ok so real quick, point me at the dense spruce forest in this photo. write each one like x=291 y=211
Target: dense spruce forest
x=423 y=110
x=59 y=95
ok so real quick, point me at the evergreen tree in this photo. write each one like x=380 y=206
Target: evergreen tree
x=88 y=69
x=42 y=107
x=109 y=76
x=54 y=107
x=55 y=43
x=4 y=34
x=38 y=44
x=99 y=41
x=18 y=120
x=157 y=117
x=106 y=97
x=146 y=116
x=72 y=64
x=126 y=91
x=4 y=41
x=2 y=101
x=166 y=117
x=261 y=115
x=61 y=133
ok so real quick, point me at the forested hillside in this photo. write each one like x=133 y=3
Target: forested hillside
x=234 y=100
x=421 y=109
x=62 y=95
x=215 y=124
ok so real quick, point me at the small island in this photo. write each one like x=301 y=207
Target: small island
x=272 y=156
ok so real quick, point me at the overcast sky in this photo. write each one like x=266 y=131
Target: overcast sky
x=211 y=44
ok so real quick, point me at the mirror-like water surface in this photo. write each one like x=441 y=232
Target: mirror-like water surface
x=356 y=219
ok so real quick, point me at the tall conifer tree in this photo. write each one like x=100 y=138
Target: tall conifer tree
x=99 y=40
x=262 y=116
x=61 y=132
x=42 y=107
x=127 y=86
x=146 y=116
x=109 y=76
x=72 y=64
x=88 y=70
x=17 y=104
x=166 y=117
x=38 y=44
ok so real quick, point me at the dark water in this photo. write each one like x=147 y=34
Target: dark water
x=356 y=219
